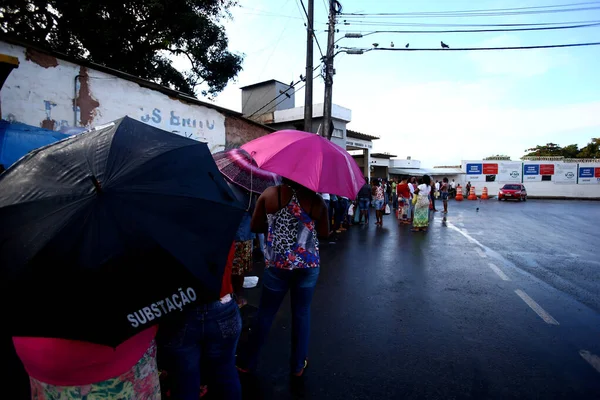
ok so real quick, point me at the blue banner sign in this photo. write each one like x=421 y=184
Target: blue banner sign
x=531 y=169
x=474 y=169
x=586 y=172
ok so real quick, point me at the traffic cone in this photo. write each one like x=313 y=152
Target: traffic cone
x=484 y=195
x=459 y=194
x=472 y=195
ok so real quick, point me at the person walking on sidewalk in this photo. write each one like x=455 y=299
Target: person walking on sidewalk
x=293 y=216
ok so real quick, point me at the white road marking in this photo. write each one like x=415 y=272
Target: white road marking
x=480 y=252
x=593 y=359
x=499 y=272
x=536 y=307
x=465 y=234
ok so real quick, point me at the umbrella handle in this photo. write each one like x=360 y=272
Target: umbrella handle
x=251 y=187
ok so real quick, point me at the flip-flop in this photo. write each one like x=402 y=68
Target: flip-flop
x=299 y=374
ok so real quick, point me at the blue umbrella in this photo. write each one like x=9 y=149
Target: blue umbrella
x=111 y=231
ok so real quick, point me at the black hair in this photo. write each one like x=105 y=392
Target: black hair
x=294 y=185
x=427 y=179
x=445 y=180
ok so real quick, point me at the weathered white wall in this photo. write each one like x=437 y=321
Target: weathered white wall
x=401 y=163
x=43 y=96
x=536 y=188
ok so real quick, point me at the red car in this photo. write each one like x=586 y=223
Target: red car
x=513 y=191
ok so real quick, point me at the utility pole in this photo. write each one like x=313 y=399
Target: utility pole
x=308 y=93
x=329 y=71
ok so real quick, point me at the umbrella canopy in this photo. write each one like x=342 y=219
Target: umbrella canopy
x=308 y=159
x=239 y=168
x=110 y=231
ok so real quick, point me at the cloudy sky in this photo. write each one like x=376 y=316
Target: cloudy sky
x=438 y=107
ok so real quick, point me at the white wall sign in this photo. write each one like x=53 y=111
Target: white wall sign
x=509 y=172
x=565 y=173
x=363 y=144
x=589 y=174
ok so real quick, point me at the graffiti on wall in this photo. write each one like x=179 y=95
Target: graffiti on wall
x=185 y=125
x=194 y=128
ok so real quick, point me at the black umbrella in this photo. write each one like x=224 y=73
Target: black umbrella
x=110 y=231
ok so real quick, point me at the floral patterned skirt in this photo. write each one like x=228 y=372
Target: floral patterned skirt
x=421 y=219
x=242 y=260
x=139 y=383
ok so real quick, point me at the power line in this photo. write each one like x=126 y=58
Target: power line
x=421 y=24
x=550 y=46
x=429 y=13
x=312 y=28
x=281 y=94
x=543 y=28
x=295 y=91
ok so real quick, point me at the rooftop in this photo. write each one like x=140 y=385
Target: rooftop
x=383 y=155
x=358 y=135
x=263 y=83
x=175 y=94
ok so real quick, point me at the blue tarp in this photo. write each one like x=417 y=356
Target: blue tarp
x=17 y=139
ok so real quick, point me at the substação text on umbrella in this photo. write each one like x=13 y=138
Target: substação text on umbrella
x=162 y=307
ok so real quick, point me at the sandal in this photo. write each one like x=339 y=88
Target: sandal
x=242 y=370
x=203 y=390
x=299 y=374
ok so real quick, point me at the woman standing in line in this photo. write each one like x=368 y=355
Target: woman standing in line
x=421 y=204
x=293 y=216
x=379 y=202
x=403 y=201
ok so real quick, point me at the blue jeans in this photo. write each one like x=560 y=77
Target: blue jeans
x=261 y=240
x=363 y=204
x=276 y=283
x=208 y=334
x=340 y=213
x=378 y=205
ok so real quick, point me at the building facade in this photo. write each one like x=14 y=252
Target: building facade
x=69 y=95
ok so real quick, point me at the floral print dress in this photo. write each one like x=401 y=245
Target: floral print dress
x=292 y=238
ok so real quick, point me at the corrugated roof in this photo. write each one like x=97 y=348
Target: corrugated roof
x=358 y=135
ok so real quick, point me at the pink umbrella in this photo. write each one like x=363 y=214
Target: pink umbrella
x=308 y=159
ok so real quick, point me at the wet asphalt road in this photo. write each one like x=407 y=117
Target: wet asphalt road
x=442 y=315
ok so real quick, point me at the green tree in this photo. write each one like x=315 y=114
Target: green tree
x=592 y=150
x=134 y=36
x=570 y=151
x=548 y=150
